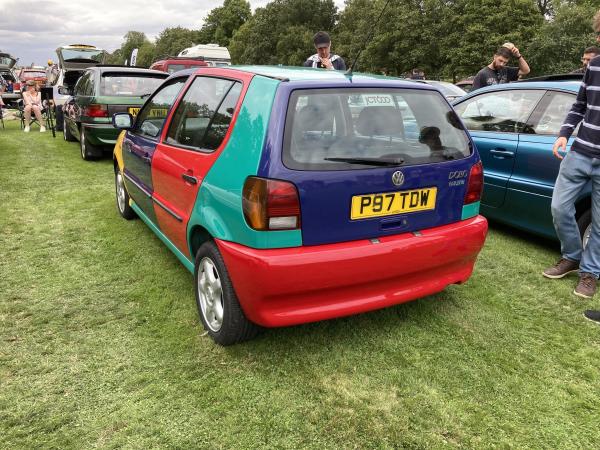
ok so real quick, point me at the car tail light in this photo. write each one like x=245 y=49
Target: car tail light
x=475 y=184
x=94 y=110
x=16 y=87
x=271 y=204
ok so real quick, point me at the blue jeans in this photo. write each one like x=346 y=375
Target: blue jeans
x=576 y=170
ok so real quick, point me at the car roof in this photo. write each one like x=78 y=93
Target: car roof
x=572 y=86
x=125 y=69
x=307 y=74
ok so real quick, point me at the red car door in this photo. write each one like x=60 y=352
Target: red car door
x=198 y=130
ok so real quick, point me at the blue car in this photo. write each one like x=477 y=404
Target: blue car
x=514 y=127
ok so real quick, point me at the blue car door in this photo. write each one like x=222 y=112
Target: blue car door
x=530 y=187
x=140 y=143
x=494 y=119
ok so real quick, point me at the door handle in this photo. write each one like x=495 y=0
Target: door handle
x=147 y=159
x=189 y=178
x=502 y=153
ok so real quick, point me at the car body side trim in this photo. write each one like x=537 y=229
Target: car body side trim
x=137 y=184
x=167 y=209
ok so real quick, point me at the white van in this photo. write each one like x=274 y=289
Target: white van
x=213 y=54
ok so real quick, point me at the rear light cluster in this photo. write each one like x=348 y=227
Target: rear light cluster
x=271 y=204
x=475 y=184
x=94 y=110
x=16 y=87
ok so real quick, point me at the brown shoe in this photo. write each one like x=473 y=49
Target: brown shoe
x=561 y=268
x=586 y=287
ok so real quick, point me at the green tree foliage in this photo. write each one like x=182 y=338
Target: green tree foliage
x=558 y=46
x=133 y=39
x=281 y=32
x=173 y=40
x=222 y=22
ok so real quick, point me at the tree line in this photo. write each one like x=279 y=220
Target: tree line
x=448 y=39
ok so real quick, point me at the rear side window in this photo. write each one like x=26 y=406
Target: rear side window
x=203 y=116
x=504 y=111
x=152 y=116
x=343 y=129
x=555 y=113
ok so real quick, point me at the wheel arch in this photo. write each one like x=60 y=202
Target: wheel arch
x=198 y=235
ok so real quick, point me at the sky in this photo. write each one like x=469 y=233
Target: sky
x=32 y=30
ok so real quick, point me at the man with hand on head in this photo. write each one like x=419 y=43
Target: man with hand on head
x=324 y=59
x=497 y=72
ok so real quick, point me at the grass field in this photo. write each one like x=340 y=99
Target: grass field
x=100 y=345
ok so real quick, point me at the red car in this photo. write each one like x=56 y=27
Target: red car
x=37 y=75
x=175 y=64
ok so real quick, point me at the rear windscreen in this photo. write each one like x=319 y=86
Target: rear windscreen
x=129 y=85
x=342 y=129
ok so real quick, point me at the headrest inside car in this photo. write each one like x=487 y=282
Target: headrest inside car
x=380 y=121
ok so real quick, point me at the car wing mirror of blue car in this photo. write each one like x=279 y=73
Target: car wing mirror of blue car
x=122 y=121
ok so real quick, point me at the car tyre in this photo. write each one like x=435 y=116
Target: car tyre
x=59 y=119
x=218 y=305
x=122 y=197
x=67 y=135
x=584 y=223
x=88 y=151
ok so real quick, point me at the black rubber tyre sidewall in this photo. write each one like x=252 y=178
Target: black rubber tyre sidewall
x=67 y=134
x=583 y=221
x=58 y=118
x=236 y=327
x=128 y=213
x=91 y=151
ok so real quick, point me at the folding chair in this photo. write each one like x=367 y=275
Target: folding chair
x=47 y=115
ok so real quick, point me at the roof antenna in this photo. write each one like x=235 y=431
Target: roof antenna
x=349 y=71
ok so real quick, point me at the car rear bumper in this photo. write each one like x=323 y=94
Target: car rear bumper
x=290 y=286
x=101 y=134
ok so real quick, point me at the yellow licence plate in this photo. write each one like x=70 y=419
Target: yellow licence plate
x=134 y=111
x=390 y=203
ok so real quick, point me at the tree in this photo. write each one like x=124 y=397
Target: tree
x=133 y=39
x=171 y=41
x=222 y=22
x=558 y=46
x=281 y=32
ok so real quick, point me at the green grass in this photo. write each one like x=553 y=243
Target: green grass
x=100 y=345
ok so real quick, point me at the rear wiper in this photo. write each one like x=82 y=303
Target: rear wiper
x=369 y=161
x=145 y=95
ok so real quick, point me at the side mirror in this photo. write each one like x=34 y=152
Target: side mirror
x=122 y=121
x=63 y=90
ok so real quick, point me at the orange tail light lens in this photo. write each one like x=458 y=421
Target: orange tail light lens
x=271 y=204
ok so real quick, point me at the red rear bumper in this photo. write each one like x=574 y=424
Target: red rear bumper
x=305 y=284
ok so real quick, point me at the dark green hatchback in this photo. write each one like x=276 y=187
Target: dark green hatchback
x=98 y=94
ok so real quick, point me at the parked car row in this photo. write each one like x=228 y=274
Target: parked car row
x=261 y=180
x=98 y=94
x=514 y=127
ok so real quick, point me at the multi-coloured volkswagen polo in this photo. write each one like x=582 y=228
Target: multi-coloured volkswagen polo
x=298 y=195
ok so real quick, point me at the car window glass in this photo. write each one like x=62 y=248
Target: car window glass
x=81 y=85
x=202 y=118
x=501 y=111
x=152 y=116
x=343 y=129
x=555 y=113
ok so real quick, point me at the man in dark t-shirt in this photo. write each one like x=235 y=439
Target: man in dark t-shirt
x=498 y=72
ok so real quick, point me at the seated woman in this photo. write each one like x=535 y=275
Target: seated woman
x=32 y=100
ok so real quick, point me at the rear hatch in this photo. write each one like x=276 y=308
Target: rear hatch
x=7 y=61
x=79 y=57
x=370 y=162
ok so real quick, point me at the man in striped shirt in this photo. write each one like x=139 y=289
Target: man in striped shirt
x=580 y=166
